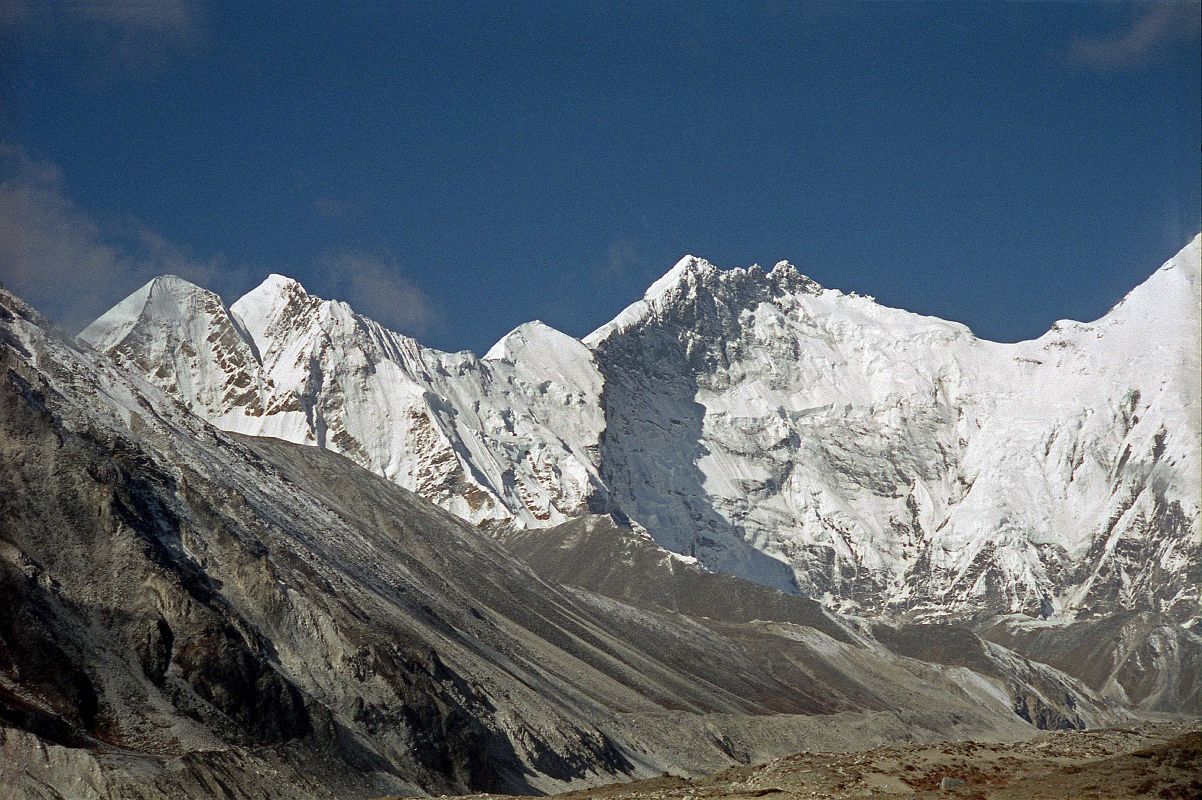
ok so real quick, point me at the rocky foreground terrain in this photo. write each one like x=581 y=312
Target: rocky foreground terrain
x=1150 y=760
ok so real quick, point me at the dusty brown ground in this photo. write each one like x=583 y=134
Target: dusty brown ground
x=1157 y=760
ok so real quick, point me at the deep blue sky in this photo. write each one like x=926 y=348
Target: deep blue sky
x=1003 y=165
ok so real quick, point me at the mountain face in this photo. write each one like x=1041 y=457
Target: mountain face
x=190 y=612
x=506 y=437
x=896 y=462
x=806 y=439
x=1138 y=659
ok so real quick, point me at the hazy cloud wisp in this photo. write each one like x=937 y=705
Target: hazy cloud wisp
x=108 y=39
x=620 y=256
x=62 y=261
x=379 y=290
x=1161 y=25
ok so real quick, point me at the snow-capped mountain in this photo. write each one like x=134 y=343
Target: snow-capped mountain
x=802 y=437
x=886 y=459
x=192 y=613
x=511 y=436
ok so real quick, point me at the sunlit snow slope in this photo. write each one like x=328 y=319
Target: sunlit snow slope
x=799 y=436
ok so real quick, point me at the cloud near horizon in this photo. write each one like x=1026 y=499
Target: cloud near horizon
x=66 y=263
x=1162 y=25
x=73 y=267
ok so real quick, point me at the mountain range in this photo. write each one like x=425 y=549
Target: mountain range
x=274 y=550
x=803 y=438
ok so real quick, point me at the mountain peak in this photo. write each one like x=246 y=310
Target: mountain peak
x=173 y=283
x=692 y=276
x=688 y=271
x=277 y=296
x=274 y=290
x=166 y=297
x=787 y=275
x=687 y=267
x=275 y=283
x=531 y=336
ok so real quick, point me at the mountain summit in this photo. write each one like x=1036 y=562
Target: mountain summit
x=808 y=439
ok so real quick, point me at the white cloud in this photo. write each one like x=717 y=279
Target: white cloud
x=379 y=290
x=1161 y=25
x=64 y=262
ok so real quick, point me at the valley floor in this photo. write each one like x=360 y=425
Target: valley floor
x=1153 y=759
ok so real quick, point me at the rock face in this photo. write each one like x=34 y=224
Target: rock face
x=190 y=612
x=803 y=438
x=1139 y=659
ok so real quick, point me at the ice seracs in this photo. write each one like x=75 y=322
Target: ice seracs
x=808 y=439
